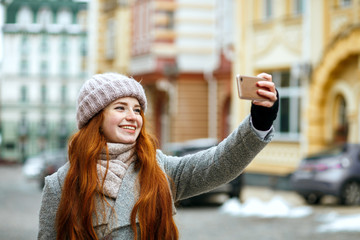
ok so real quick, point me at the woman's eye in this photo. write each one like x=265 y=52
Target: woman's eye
x=138 y=110
x=120 y=108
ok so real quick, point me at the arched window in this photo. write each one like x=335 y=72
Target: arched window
x=341 y=122
x=44 y=16
x=24 y=15
x=64 y=17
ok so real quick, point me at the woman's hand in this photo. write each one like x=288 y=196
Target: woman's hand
x=267 y=90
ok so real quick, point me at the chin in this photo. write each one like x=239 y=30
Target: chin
x=127 y=141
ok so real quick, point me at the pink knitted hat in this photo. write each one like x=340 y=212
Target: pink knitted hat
x=101 y=90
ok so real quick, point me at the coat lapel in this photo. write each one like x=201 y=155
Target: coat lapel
x=126 y=199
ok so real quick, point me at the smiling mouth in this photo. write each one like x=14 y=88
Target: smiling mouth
x=128 y=127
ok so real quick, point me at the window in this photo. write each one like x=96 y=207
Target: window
x=24 y=16
x=64 y=68
x=342 y=111
x=63 y=93
x=44 y=44
x=64 y=17
x=345 y=3
x=341 y=122
x=43 y=93
x=287 y=123
x=23 y=125
x=110 y=39
x=298 y=7
x=23 y=94
x=44 y=16
x=83 y=47
x=268 y=9
x=142 y=27
x=24 y=45
x=24 y=67
x=168 y=19
x=62 y=133
x=43 y=127
x=64 y=45
x=24 y=52
x=43 y=68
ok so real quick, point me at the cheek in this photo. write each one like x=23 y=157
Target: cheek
x=140 y=122
x=109 y=121
x=112 y=121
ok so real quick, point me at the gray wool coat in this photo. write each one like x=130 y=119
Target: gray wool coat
x=191 y=175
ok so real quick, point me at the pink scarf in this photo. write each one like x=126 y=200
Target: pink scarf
x=121 y=156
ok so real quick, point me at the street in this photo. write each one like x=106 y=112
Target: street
x=20 y=203
x=208 y=223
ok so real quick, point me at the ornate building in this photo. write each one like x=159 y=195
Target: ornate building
x=312 y=48
x=187 y=54
x=44 y=65
x=181 y=51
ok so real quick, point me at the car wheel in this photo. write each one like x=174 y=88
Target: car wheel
x=350 y=193
x=312 y=198
x=234 y=194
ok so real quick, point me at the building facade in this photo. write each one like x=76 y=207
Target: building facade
x=182 y=56
x=188 y=53
x=312 y=50
x=44 y=65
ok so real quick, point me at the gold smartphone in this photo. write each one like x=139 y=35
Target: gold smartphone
x=247 y=88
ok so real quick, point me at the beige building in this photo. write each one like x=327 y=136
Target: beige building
x=312 y=49
x=179 y=52
x=187 y=53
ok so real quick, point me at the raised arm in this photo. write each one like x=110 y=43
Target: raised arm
x=206 y=170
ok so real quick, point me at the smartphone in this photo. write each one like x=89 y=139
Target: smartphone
x=247 y=87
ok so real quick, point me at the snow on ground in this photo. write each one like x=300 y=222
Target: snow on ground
x=335 y=223
x=276 y=207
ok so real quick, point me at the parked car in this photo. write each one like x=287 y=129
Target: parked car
x=333 y=172
x=33 y=166
x=231 y=189
x=44 y=164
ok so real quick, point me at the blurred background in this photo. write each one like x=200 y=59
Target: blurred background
x=186 y=55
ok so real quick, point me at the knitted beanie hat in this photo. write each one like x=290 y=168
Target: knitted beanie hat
x=101 y=90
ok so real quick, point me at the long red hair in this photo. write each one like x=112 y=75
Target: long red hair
x=77 y=204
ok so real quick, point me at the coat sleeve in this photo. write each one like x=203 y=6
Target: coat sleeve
x=203 y=171
x=49 y=205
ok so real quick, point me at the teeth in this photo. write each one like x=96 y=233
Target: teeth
x=128 y=127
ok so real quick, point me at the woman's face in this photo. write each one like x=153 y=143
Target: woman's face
x=122 y=122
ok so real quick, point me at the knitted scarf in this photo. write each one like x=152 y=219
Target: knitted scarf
x=120 y=158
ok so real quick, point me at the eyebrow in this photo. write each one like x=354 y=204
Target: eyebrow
x=125 y=103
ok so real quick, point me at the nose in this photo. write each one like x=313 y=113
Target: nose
x=130 y=116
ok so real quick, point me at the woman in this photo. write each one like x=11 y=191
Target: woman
x=116 y=185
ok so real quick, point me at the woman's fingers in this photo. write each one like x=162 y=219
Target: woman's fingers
x=265 y=76
x=267 y=90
